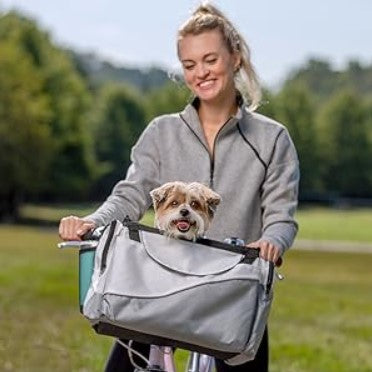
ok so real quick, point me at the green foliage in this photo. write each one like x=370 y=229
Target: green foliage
x=119 y=120
x=56 y=106
x=268 y=104
x=294 y=108
x=323 y=80
x=71 y=163
x=172 y=97
x=329 y=116
x=346 y=145
x=25 y=136
x=100 y=72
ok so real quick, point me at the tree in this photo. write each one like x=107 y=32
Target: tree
x=323 y=80
x=268 y=104
x=25 y=136
x=318 y=76
x=71 y=163
x=120 y=119
x=346 y=143
x=294 y=108
x=172 y=97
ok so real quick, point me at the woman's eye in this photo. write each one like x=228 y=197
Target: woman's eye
x=188 y=67
x=212 y=61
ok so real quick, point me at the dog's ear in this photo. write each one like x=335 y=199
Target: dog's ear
x=211 y=197
x=160 y=194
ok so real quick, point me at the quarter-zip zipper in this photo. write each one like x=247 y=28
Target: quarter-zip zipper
x=211 y=156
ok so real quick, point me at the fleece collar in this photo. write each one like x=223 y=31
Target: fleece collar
x=191 y=118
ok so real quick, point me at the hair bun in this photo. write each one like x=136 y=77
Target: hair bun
x=206 y=8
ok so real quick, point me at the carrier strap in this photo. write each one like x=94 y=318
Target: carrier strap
x=107 y=245
x=250 y=253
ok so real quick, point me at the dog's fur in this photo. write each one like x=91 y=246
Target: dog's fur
x=184 y=210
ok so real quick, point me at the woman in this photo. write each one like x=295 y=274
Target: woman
x=218 y=140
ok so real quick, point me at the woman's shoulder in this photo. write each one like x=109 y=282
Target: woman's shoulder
x=261 y=128
x=164 y=120
x=262 y=123
x=160 y=127
x=264 y=133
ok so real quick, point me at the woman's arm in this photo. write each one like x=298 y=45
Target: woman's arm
x=130 y=197
x=280 y=197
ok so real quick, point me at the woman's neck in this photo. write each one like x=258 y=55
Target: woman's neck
x=216 y=114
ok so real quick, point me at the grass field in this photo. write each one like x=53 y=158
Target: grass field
x=315 y=223
x=335 y=224
x=321 y=319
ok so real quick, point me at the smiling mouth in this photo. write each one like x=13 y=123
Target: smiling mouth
x=183 y=225
x=206 y=84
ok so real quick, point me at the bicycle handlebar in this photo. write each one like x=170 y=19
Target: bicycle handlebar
x=93 y=234
x=91 y=237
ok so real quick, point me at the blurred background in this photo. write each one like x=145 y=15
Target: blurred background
x=80 y=80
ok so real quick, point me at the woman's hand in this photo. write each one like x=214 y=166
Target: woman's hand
x=73 y=228
x=268 y=251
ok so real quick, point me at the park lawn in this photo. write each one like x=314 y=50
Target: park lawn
x=321 y=318
x=335 y=224
x=53 y=213
x=315 y=223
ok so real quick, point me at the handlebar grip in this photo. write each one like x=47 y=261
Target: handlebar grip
x=89 y=235
x=279 y=262
x=93 y=234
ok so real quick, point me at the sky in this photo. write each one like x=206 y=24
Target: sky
x=282 y=35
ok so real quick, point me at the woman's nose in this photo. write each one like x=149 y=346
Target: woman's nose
x=202 y=71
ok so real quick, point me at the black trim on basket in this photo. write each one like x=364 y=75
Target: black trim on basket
x=83 y=250
x=134 y=235
x=270 y=277
x=250 y=253
x=107 y=246
x=123 y=333
x=136 y=226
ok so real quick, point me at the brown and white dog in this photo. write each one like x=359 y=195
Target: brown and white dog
x=184 y=210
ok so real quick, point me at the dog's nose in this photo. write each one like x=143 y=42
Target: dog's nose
x=184 y=212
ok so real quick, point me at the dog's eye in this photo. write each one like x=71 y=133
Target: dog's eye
x=174 y=203
x=194 y=204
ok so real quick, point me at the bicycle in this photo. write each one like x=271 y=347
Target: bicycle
x=161 y=358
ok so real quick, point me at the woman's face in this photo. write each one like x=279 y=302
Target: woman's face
x=208 y=66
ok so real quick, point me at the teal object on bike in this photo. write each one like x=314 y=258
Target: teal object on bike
x=86 y=266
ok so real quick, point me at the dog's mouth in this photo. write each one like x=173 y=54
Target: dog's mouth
x=183 y=225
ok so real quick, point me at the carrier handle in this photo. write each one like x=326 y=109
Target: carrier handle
x=270 y=277
x=250 y=253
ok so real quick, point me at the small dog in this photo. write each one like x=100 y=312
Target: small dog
x=184 y=210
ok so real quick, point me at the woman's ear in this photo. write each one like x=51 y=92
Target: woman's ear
x=237 y=61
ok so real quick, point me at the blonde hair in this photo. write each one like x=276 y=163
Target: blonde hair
x=206 y=18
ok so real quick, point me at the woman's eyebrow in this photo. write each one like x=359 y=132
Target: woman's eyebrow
x=210 y=54
x=187 y=60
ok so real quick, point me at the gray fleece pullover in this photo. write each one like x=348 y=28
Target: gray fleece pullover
x=254 y=167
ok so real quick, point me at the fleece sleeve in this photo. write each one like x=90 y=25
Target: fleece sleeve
x=280 y=194
x=131 y=196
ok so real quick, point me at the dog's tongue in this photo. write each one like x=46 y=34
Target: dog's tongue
x=183 y=225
